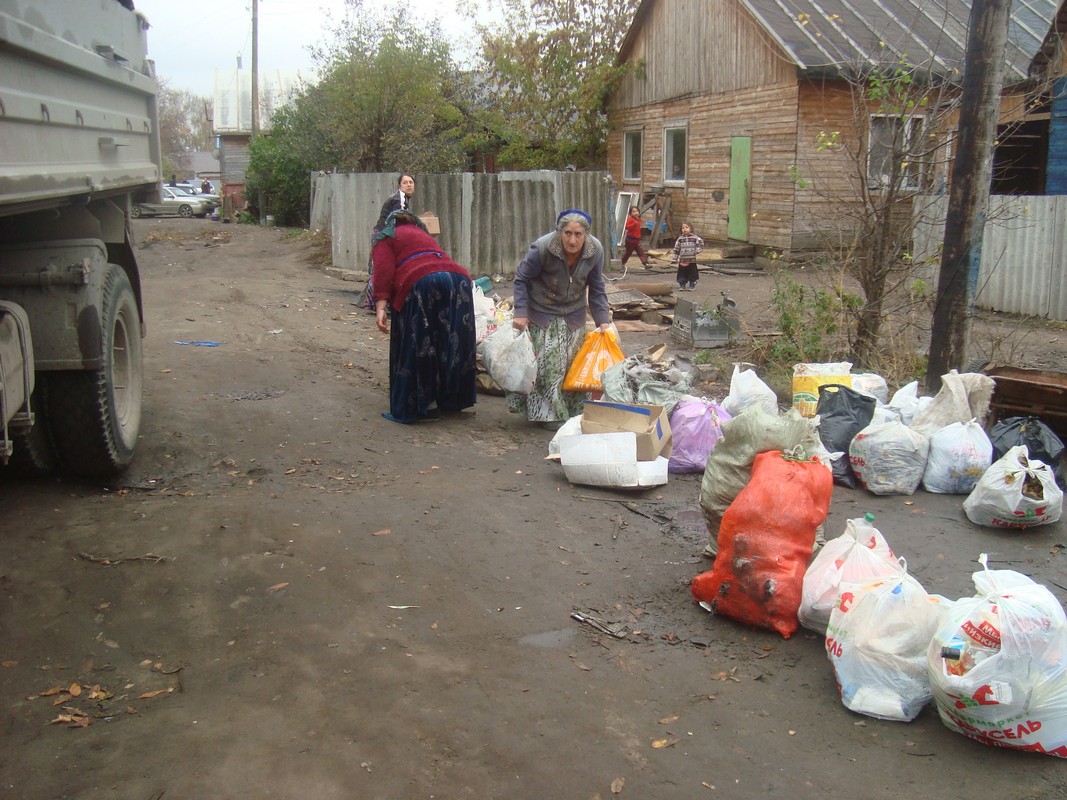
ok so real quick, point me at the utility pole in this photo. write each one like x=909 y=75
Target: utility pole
x=255 y=68
x=968 y=199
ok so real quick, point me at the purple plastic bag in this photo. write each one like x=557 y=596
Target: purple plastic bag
x=696 y=428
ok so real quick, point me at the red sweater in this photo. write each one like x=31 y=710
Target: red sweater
x=400 y=262
x=633 y=228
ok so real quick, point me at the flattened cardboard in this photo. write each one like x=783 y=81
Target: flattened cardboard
x=649 y=422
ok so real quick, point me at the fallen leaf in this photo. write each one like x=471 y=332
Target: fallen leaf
x=279 y=586
x=382 y=532
x=146 y=663
x=166 y=371
x=659 y=744
x=111 y=643
x=156 y=693
x=131 y=710
x=8 y=663
x=50 y=692
x=583 y=667
x=617 y=784
x=669 y=720
x=290 y=471
x=75 y=690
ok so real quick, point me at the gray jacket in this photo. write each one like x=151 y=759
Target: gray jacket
x=545 y=288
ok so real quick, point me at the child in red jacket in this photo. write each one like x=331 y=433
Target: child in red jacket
x=633 y=238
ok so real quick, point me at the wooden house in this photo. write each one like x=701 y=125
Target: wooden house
x=728 y=102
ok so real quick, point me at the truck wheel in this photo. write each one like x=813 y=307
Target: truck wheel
x=33 y=456
x=185 y=211
x=95 y=415
x=135 y=211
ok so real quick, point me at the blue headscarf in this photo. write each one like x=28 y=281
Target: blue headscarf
x=401 y=216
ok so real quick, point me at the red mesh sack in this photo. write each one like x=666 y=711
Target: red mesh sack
x=765 y=542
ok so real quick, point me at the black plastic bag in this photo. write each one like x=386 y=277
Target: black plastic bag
x=843 y=412
x=1040 y=440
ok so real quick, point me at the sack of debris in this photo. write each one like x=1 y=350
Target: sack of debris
x=842 y=413
x=510 y=359
x=1040 y=440
x=889 y=458
x=696 y=426
x=766 y=540
x=959 y=454
x=1015 y=492
x=962 y=397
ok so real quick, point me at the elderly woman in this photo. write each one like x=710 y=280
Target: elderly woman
x=551 y=288
x=431 y=336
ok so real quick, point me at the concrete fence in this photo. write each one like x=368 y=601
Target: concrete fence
x=1024 y=253
x=487 y=221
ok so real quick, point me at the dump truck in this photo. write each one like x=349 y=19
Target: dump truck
x=79 y=139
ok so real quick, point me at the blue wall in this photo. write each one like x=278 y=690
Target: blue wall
x=1056 y=179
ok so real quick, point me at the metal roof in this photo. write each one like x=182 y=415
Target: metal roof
x=837 y=34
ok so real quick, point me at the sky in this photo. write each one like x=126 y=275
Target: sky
x=189 y=39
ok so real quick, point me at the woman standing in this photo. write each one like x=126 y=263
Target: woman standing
x=431 y=336
x=562 y=273
x=400 y=200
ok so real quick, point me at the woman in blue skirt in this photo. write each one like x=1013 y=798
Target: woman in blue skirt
x=431 y=334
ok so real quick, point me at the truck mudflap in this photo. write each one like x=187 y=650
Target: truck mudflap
x=16 y=374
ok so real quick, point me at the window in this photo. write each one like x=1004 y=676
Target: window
x=895 y=141
x=631 y=155
x=674 y=154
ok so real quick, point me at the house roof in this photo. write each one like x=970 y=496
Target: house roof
x=832 y=35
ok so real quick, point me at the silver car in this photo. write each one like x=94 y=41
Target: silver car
x=173 y=201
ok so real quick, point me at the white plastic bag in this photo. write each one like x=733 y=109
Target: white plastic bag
x=746 y=389
x=959 y=454
x=1015 y=492
x=889 y=458
x=485 y=321
x=997 y=668
x=873 y=384
x=905 y=401
x=510 y=359
x=860 y=554
x=877 y=642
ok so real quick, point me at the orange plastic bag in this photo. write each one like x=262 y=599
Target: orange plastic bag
x=765 y=542
x=600 y=350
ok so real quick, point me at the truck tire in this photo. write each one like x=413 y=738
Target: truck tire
x=33 y=456
x=185 y=210
x=95 y=415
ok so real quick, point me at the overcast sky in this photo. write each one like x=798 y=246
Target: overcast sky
x=189 y=39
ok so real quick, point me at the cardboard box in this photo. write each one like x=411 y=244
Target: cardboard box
x=432 y=223
x=609 y=459
x=648 y=422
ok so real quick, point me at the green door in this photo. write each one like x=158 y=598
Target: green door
x=740 y=172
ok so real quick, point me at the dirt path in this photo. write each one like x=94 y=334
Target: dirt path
x=290 y=597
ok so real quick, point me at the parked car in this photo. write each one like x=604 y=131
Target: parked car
x=174 y=201
x=193 y=191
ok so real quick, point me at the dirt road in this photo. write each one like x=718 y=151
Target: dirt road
x=291 y=597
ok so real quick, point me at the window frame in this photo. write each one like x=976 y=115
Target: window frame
x=668 y=152
x=914 y=174
x=627 y=154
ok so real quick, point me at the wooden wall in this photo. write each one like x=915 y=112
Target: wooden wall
x=767 y=114
x=695 y=47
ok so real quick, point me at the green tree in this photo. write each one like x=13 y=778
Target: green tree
x=552 y=65
x=184 y=127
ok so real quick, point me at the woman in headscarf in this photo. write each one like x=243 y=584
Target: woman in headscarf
x=431 y=334
x=400 y=200
x=562 y=273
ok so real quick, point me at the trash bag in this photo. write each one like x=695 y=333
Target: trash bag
x=696 y=427
x=599 y=351
x=767 y=535
x=747 y=434
x=1041 y=442
x=889 y=458
x=510 y=359
x=807 y=378
x=873 y=384
x=746 y=389
x=1015 y=492
x=959 y=454
x=996 y=664
x=962 y=397
x=842 y=412
x=877 y=641
x=905 y=401
x=636 y=379
x=858 y=555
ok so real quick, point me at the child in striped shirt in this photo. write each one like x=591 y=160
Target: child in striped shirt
x=685 y=256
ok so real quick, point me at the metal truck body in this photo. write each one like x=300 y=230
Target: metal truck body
x=78 y=139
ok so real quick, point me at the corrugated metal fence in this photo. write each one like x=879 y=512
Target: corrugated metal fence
x=487 y=221
x=1024 y=253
